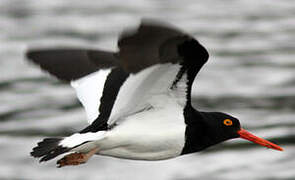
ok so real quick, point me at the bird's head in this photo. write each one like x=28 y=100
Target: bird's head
x=224 y=127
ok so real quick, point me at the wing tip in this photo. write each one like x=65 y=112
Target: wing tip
x=189 y=48
x=30 y=55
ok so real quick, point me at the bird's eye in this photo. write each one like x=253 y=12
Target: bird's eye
x=228 y=122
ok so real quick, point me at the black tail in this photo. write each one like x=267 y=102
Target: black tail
x=48 y=149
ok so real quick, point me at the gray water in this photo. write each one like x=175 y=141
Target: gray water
x=250 y=75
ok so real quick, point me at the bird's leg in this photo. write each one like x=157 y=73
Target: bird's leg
x=76 y=158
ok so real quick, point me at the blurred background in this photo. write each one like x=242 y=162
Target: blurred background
x=250 y=74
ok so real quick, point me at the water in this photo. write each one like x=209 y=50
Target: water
x=250 y=75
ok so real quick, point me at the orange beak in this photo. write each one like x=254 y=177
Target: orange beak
x=246 y=135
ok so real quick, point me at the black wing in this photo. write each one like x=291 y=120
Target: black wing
x=157 y=43
x=71 y=64
x=150 y=44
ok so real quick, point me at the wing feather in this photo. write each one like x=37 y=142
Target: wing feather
x=152 y=59
x=70 y=64
x=87 y=70
x=158 y=57
x=89 y=90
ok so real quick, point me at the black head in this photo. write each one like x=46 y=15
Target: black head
x=210 y=128
x=221 y=126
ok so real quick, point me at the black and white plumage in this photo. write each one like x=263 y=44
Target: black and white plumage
x=137 y=100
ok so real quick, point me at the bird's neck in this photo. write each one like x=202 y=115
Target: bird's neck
x=197 y=134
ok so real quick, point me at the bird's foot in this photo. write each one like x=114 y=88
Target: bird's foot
x=76 y=158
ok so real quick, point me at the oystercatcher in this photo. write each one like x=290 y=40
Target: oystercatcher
x=138 y=99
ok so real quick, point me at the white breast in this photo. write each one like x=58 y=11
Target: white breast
x=151 y=135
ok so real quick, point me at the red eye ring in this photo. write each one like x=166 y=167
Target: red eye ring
x=228 y=122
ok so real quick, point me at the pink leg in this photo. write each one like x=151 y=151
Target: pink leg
x=76 y=158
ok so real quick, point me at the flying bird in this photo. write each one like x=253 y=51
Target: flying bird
x=138 y=99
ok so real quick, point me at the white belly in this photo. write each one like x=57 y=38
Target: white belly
x=152 y=135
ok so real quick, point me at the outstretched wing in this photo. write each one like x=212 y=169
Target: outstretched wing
x=160 y=59
x=87 y=70
x=71 y=64
x=151 y=60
